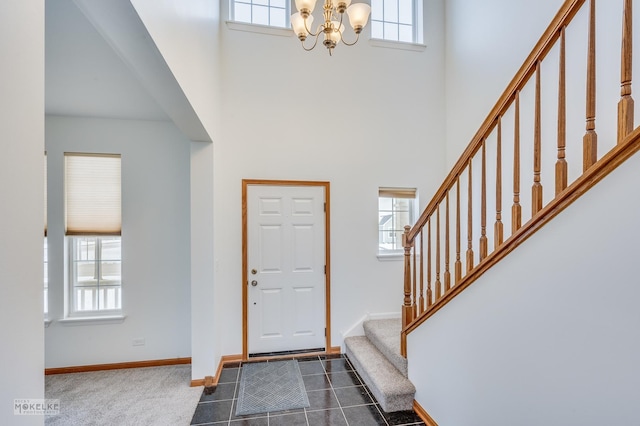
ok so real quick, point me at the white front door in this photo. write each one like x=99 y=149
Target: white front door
x=286 y=268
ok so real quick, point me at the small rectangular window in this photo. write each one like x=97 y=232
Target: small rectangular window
x=93 y=227
x=396 y=209
x=397 y=20
x=273 y=13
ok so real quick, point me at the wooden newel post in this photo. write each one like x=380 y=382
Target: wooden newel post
x=407 y=308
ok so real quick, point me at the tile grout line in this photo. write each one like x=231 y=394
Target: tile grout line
x=235 y=389
x=334 y=391
x=366 y=389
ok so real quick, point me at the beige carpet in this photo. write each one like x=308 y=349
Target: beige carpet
x=136 y=396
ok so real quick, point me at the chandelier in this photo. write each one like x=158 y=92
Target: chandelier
x=332 y=28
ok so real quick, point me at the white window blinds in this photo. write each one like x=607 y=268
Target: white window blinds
x=92 y=194
x=397 y=192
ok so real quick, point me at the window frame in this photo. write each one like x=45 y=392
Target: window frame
x=393 y=194
x=46 y=277
x=417 y=28
x=238 y=24
x=72 y=311
x=93 y=211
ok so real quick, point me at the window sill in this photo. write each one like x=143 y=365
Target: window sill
x=390 y=257
x=261 y=29
x=47 y=322
x=110 y=319
x=389 y=44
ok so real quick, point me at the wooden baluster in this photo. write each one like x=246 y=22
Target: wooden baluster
x=421 y=271
x=470 y=220
x=447 y=274
x=498 y=229
x=590 y=140
x=483 y=204
x=626 y=104
x=429 y=291
x=458 y=265
x=407 y=314
x=561 y=164
x=536 y=190
x=415 y=289
x=438 y=283
x=516 y=210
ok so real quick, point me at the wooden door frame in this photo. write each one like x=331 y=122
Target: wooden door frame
x=245 y=262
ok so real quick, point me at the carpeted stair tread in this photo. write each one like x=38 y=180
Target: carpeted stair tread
x=393 y=391
x=385 y=335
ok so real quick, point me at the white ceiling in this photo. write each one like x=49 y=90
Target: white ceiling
x=84 y=76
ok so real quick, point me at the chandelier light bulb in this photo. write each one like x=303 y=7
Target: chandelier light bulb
x=299 y=28
x=305 y=7
x=340 y=5
x=358 y=16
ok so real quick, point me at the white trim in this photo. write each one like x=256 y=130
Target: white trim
x=260 y=29
x=390 y=257
x=47 y=322
x=111 y=319
x=390 y=44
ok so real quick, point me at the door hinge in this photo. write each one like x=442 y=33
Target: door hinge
x=325 y=269
x=325 y=207
x=325 y=332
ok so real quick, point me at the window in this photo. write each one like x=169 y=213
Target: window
x=396 y=208
x=274 y=13
x=397 y=20
x=93 y=229
x=95 y=274
x=46 y=250
x=46 y=278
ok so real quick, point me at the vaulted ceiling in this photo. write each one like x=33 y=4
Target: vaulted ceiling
x=100 y=61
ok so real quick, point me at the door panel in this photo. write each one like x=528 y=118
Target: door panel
x=286 y=248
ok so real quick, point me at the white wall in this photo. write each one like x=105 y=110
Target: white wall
x=155 y=242
x=548 y=336
x=21 y=208
x=364 y=118
x=187 y=35
x=486 y=43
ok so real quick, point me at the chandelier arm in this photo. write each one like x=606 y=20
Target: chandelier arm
x=314 y=43
x=320 y=28
x=350 y=44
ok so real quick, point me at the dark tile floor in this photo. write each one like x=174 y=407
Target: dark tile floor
x=336 y=395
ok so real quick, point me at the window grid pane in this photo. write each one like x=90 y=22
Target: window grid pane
x=96 y=274
x=262 y=12
x=393 y=20
x=393 y=215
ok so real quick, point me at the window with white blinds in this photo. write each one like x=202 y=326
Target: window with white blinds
x=92 y=194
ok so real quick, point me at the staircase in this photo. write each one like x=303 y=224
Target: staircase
x=376 y=356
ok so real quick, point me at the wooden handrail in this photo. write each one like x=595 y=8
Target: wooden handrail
x=414 y=311
x=618 y=155
x=540 y=51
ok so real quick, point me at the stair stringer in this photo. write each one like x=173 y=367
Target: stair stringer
x=554 y=323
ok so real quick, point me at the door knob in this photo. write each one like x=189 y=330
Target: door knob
x=254 y=283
